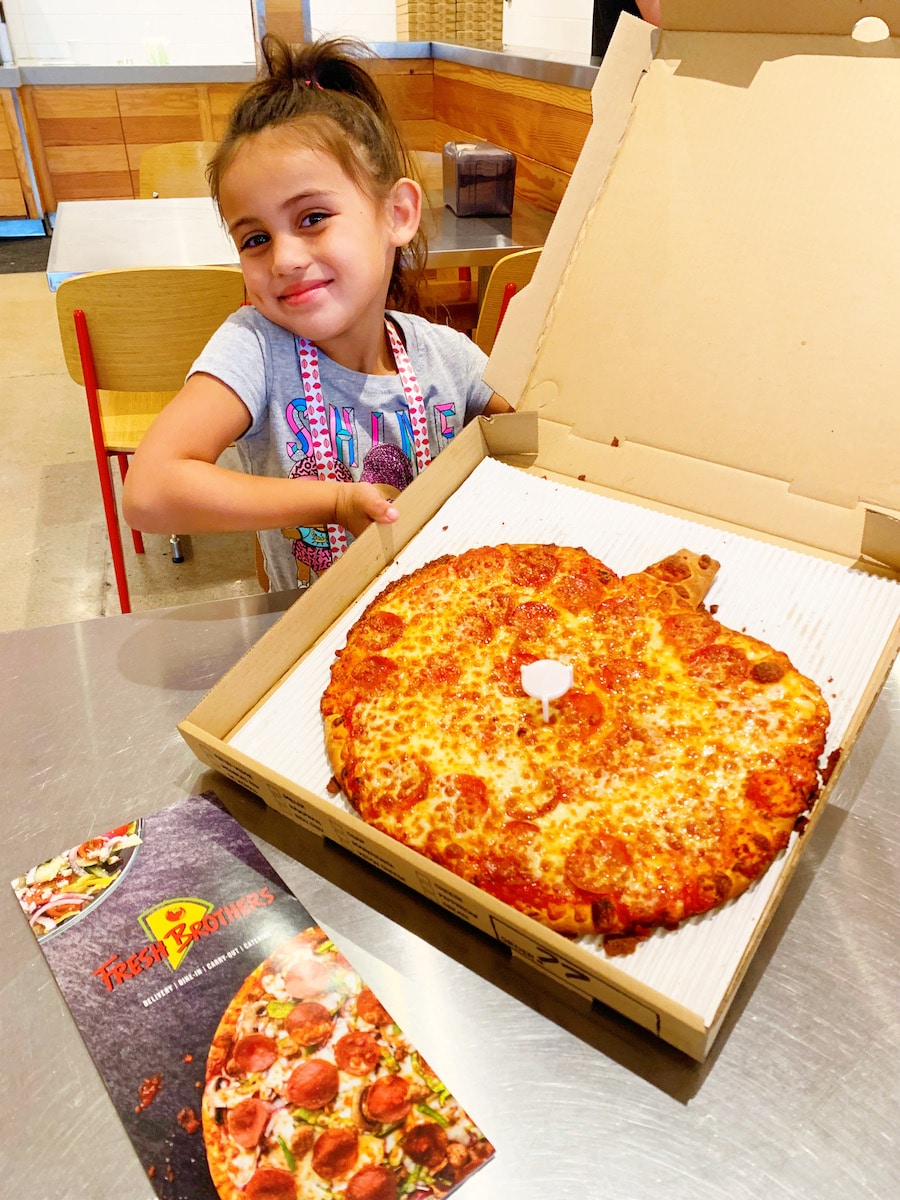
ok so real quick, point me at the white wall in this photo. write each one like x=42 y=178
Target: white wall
x=105 y=32
x=220 y=31
x=370 y=20
x=554 y=25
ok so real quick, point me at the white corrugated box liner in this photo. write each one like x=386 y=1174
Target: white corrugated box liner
x=832 y=621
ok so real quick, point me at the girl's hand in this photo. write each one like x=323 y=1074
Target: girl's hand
x=359 y=504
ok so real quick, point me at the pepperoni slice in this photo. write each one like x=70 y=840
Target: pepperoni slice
x=381 y=629
x=370 y=1008
x=467 y=795
x=689 y=631
x=357 y=1053
x=486 y=559
x=270 y=1183
x=253 y=1053
x=309 y=1023
x=313 y=1084
x=335 y=1152
x=752 y=854
x=533 y=568
x=387 y=1100
x=372 y=1183
x=373 y=672
x=246 y=1121
x=426 y=1144
x=600 y=863
x=532 y=616
x=585 y=709
x=718 y=664
x=307 y=978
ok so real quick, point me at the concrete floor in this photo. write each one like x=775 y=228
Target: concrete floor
x=55 y=563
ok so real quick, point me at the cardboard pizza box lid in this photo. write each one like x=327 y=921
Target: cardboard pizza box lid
x=714 y=316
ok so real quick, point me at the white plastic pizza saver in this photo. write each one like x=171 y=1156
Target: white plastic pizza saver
x=547 y=680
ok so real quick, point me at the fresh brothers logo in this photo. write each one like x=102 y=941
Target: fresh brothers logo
x=173 y=926
x=171 y=923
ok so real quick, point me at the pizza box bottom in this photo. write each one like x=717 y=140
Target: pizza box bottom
x=839 y=624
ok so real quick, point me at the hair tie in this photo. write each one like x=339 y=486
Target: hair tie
x=313 y=83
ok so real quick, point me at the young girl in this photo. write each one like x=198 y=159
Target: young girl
x=334 y=404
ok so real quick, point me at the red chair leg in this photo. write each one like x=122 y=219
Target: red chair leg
x=115 y=538
x=100 y=454
x=508 y=292
x=135 y=533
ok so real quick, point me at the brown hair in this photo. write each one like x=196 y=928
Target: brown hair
x=322 y=91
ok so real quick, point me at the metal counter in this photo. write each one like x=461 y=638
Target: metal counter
x=572 y=70
x=799 y=1097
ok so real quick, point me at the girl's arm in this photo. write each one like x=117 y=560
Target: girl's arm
x=173 y=482
x=496 y=404
x=649 y=10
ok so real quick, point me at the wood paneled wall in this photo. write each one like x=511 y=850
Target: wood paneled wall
x=87 y=141
x=12 y=194
x=544 y=124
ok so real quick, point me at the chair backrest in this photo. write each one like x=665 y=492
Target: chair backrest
x=175 y=169
x=508 y=275
x=146 y=325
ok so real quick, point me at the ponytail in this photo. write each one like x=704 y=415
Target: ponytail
x=322 y=90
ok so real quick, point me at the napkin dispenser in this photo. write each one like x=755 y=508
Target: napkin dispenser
x=479 y=179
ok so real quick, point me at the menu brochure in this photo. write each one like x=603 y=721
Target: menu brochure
x=243 y=1054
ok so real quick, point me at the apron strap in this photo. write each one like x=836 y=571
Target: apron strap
x=317 y=416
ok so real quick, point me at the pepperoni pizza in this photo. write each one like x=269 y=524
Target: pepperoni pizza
x=313 y=1093
x=667 y=778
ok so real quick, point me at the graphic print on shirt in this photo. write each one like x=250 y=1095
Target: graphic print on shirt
x=328 y=447
x=386 y=466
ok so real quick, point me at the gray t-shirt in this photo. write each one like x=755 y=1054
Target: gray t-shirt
x=367 y=415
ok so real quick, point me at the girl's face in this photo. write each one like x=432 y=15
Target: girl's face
x=316 y=252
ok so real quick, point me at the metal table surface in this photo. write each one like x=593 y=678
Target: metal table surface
x=104 y=235
x=798 y=1098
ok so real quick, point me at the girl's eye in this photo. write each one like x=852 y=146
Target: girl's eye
x=314 y=218
x=254 y=240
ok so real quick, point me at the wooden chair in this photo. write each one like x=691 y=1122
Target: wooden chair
x=175 y=169
x=129 y=338
x=508 y=276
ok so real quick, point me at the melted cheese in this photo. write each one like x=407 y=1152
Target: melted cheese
x=669 y=771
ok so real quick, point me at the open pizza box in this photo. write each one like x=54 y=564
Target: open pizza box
x=707 y=357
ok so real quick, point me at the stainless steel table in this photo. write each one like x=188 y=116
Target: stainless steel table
x=103 y=235
x=799 y=1097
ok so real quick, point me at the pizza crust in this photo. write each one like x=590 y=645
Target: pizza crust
x=667 y=780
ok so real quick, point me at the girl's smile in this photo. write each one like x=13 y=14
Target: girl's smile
x=316 y=251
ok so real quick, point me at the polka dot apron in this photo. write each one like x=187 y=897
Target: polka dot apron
x=317 y=416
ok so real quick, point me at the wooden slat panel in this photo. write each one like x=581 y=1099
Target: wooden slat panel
x=528 y=127
x=5 y=135
x=89 y=172
x=409 y=97
x=38 y=154
x=162 y=100
x=12 y=202
x=7 y=163
x=222 y=99
x=94 y=185
x=160 y=114
x=62 y=159
x=50 y=102
x=399 y=66
x=557 y=94
x=417 y=135
x=285 y=18
x=16 y=149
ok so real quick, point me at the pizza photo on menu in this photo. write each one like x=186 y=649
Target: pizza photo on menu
x=658 y=785
x=313 y=1093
